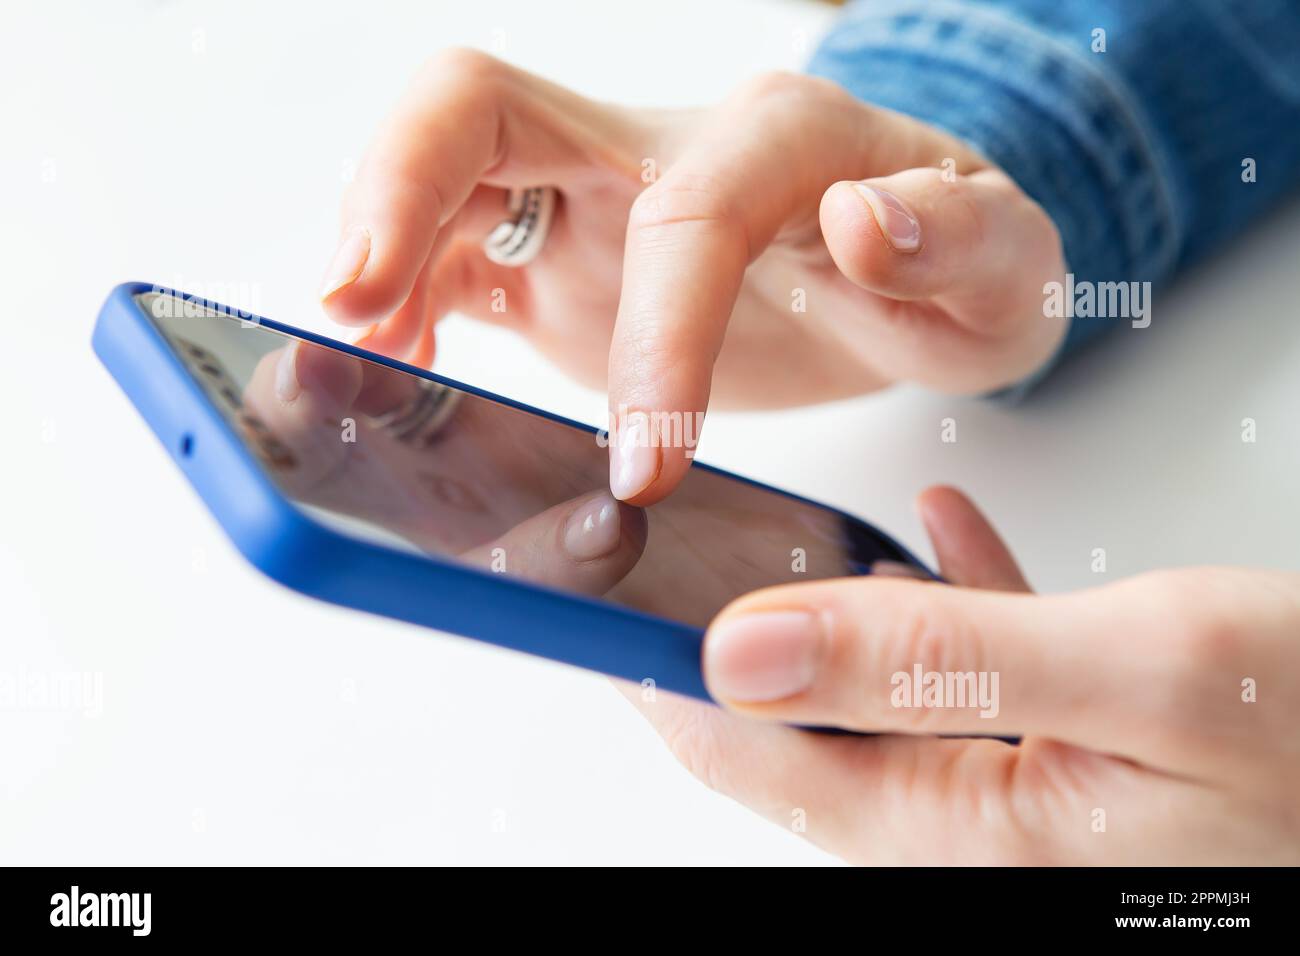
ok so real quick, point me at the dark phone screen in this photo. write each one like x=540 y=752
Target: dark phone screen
x=397 y=459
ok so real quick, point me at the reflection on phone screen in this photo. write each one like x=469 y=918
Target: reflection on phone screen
x=407 y=462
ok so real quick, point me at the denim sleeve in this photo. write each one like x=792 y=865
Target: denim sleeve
x=1147 y=154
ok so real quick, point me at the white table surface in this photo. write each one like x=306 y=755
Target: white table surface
x=204 y=146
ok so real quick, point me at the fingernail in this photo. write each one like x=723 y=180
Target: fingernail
x=900 y=227
x=635 y=462
x=593 y=530
x=897 y=569
x=764 y=656
x=349 y=259
x=287 y=387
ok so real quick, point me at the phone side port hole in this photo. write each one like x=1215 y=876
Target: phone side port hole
x=187 y=445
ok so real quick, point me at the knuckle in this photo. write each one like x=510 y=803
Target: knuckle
x=1177 y=605
x=958 y=200
x=684 y=199
x=644 y=351
x=1045 y=237
x=1202 y=626
x=940 y=639
x=462 y=64
x=644 y=355
x=1042 y=238
x=930 y=635
x=832 y=94
x=473 y=79
x=403 y=183
x=763 y=86
x=778 y=86
x=1196 y=638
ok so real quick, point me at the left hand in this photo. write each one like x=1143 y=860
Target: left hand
x=1143 y=740
x=836 y=247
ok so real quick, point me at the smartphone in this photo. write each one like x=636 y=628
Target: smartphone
x=362 y=481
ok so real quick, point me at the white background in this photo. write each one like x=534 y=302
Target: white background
x=205 y=146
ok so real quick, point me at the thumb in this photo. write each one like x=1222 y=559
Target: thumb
x=884 y=654
x=298 y=396
x=586 y=545
x=961 y=262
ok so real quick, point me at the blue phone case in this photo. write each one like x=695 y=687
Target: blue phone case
x=294 y=549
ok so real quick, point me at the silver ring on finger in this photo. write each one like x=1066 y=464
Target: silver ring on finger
x=517 y=241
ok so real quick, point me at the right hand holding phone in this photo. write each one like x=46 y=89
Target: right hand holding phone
x=1159 y=715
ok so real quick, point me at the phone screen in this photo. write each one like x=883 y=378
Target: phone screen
x=397 y=459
